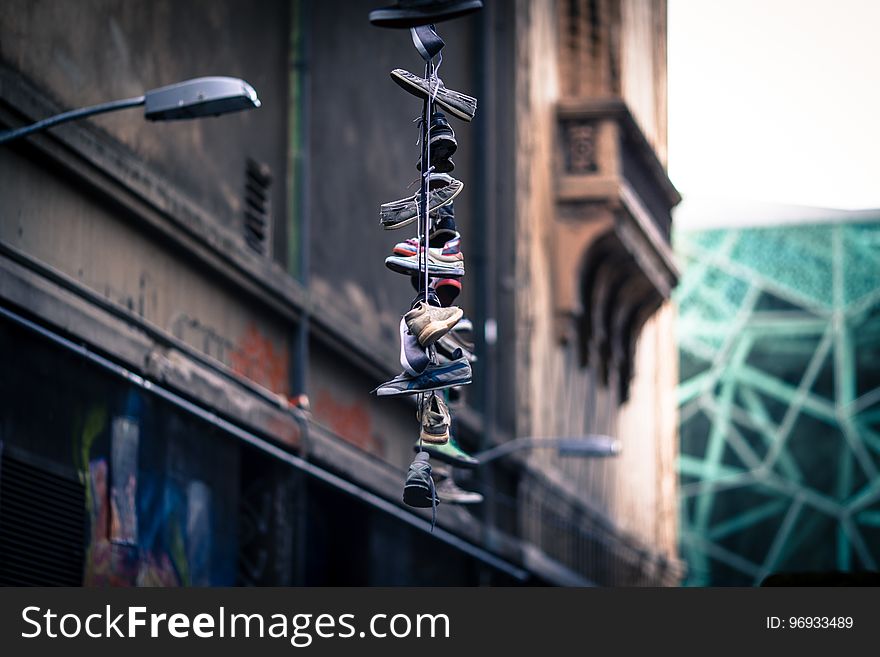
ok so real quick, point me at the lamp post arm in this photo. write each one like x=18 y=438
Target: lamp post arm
x=506 y=448
x=112 y=106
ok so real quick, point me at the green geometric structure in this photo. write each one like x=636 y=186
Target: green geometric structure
x=779 y=400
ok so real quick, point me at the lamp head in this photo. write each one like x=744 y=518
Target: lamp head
x=589 y=446
x=190 y=99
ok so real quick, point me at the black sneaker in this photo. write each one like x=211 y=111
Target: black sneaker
x=441 y=138
x=405 y=14
x=443 y=226
x=418 y=490
x=441 y=166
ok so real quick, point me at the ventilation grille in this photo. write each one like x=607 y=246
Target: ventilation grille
x=42 y=525
x=256 y=206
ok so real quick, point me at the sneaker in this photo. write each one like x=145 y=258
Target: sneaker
x=405 y=14
x=458 y=342
x=458 y=104
x=448 y=491
x=447 y=290
x=427 y=41
x=442 y=239
x=443 y=226
x=443 y=166
x=441 y=143
x=448 y=351
x=418 y=490
x=439 y=264
x=435 y=377
x=441 y=138
x=413 y=357
x=429 y=323
x=449 y=453
x=434 y=417
x=400 y=213
x=433 y=299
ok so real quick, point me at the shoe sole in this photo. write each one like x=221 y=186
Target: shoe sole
x=471 y=498
x=405 y=267
x=442 y=147
x=433 y=439
x=418 y=497
x=405 y=18
x=417 y=91
x=437 y=329
x=445 y=458
x=440 y=386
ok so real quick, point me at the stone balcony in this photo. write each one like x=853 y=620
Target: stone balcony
x=613 y=263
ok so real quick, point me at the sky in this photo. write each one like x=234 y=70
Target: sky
x=775 y=101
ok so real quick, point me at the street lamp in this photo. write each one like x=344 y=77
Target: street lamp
x=590 y=446
x=190 y=99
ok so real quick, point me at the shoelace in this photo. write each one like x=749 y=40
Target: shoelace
x=431 y=487
x=423 y=472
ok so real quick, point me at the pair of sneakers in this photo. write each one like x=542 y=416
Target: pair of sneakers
x=445 y=261
x=420 y=329
x=441 y=141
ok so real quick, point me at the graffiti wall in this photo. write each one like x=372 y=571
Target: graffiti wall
x=161 y=488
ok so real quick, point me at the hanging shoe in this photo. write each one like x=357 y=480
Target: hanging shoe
x=447 y=265
x=435 y=377
x=441 y=139
x=458 y=104
x=435 y=419
x=427 y=41
x=429 y=323
x=449 y=453
x=418 y=489
x=443 y=226
x=413 y=358
x=433 y=299
x=447 y=290
x=442 y=144
x=441 y=166
x=405 y=14
x=458 y=342
x=400 y=213
x=448 y=491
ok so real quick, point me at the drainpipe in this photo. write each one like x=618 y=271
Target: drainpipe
x=484 y=230
x=299 y=236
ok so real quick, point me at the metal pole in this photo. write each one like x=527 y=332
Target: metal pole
x=83 y=112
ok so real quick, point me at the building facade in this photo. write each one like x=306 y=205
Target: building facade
x=171 y=293
x=779 y=332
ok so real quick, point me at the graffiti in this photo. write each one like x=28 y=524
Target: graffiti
x=148 y=527
x=352 y=422
x=123 y=489
x=205 y=338
x=259 y=360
